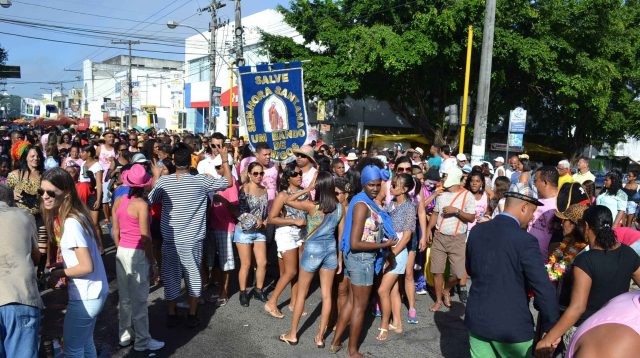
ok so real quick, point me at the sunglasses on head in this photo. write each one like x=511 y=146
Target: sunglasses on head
x=50 y=193
x=258 y=174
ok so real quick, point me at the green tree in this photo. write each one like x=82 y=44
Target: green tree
x=574 y=64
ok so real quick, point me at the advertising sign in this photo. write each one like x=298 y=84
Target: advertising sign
x=517 y=120
x=272 y=99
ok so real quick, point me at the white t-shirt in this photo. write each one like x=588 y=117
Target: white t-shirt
x=206 y=166
x=95 y=168
x=450 y=162
x=90 y=286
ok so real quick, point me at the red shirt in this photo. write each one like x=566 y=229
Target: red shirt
x=627 y=235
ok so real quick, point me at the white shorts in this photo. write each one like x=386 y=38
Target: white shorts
x=288 y=238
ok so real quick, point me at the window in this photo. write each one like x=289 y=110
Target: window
x=182 y=120
x=198 y=70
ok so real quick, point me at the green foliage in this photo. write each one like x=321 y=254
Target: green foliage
x=3 y=56
x=573 y=64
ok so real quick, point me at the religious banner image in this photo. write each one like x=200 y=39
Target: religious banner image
x=272 y=98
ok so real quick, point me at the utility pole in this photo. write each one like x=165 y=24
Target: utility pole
x=484 y=83
x=128 y=42
x=214 y=94
x=239 y=31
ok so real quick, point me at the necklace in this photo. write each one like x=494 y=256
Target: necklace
x=562 y=257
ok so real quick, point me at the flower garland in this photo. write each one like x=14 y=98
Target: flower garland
x=562 y=257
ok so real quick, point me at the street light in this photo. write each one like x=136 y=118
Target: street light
x=5 y=3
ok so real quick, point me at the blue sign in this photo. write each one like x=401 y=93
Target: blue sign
x=272 y=98
x=516 y=139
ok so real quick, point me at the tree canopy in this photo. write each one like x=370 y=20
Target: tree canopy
x=573 y=64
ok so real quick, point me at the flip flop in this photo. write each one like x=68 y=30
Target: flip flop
x=435 y=307
x=304 y=313
x=283 y=338
x=395 y=329
x=382 y=331
x=274 y=312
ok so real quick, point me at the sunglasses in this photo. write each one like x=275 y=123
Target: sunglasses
x=258 y=174
x=296 y=174
x=133 y=140
x=340 y=192
x=50 y=193
x=403 y=170
x=218 y=167
x=298 y=155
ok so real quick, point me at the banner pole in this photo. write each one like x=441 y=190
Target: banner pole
x=465 y=98
x=231 y=101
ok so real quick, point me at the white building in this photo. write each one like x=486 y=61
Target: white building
x=158 y=92
x=197 y=66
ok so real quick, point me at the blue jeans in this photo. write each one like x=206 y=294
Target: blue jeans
x=242 y=237
x=360 y=268
x=79 y=323
x=19 y=328
x=319 y=254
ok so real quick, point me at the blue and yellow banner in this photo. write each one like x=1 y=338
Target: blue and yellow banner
x=274 y=106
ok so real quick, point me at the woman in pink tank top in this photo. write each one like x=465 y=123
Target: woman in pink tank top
x=623 y=310
x=135 y=264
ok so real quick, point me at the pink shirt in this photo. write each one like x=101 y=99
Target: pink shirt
x=627 y=235
x=540 y=225
x=307 y=178
x=221 y=217
x=623 y=309
x=130 y=236
x=481 y=209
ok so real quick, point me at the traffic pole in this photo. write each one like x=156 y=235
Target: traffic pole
x=465 y=98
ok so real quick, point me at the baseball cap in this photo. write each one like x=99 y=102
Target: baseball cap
x=499 y=159
x=139 y=158
x=461 y=157
x=454 y=176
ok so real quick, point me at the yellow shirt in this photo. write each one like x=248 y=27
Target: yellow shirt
x=564 y=179
x=581 y=178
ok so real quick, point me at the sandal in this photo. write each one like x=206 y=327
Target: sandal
x=380 y=336
x=275 y=313
x=304 y=313
x=283 y=338
x=396 y=330
x=335 y=349
x=319 y=343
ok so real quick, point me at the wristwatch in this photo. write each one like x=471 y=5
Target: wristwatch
x=458 y=213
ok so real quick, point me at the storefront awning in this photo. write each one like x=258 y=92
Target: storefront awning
x=224 y=97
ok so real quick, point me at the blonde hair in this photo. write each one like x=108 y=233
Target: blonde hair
x=71 y=206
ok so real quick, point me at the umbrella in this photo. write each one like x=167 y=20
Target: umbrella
x=60 y=121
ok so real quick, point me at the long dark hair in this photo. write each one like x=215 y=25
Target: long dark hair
x=326 y=192
x=288 y=172
x=600 y=221
x=71 y=207
x=400 y=160
x=616 y=183
x=24 y=167
x=408 y=182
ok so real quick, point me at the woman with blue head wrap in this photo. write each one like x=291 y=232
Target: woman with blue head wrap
x=368 y=230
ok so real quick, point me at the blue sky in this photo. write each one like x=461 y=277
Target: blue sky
x=45 y=61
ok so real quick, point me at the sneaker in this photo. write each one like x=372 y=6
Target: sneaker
x=153 y=345
x=220 y=302
x=244 y=299
x=413 y=316
x=193 y=321
x=377 y=312
x=125 y=339
x=463 y=294
x=421 y=292
x=259 y=295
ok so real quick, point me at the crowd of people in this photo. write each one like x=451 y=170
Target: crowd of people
x=378 y=227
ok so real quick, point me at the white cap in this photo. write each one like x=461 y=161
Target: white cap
x=382 y=158
x=499 y=159
x=461 y=157
x=420 y=150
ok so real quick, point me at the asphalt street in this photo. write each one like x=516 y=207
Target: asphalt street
x=236 y=331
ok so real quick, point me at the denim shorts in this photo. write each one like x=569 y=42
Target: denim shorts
x=401 y=263
x=360 y=268
x=412 y=245
x=319 y=254
x=243 y=237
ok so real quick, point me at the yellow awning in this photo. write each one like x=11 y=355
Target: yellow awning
x=414 y=138
x=538 y=148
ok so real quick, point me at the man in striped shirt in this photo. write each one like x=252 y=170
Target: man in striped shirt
x=183 y=225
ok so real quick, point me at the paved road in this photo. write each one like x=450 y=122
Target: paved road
x=236 y=331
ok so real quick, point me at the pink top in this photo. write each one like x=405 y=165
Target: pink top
x=623 y=309
x=481 y=209
x=130 y=236
x=104 y=157
x=627 y=235
x=221 y=217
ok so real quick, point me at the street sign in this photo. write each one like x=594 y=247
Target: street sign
x=216 y=111
x=516 y=139
x=110 y=105
x=9 y=71
x=217 y=91
x=501 y=147
x=517 y=120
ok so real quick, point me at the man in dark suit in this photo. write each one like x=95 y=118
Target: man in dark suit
x=504 y=262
